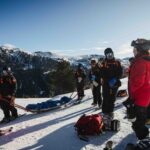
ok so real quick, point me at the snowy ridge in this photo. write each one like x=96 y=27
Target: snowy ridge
x=55 y=129
x=20 y=55
x=8 y=46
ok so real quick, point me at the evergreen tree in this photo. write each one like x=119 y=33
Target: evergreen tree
x=63 y=78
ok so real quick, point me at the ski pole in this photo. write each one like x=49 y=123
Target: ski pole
x=74 y=96
x=71 y=94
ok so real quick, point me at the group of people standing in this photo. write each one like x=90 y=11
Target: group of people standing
x=106 y=73
x=104 y=77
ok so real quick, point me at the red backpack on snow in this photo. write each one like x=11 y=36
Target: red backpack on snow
x=89 y=125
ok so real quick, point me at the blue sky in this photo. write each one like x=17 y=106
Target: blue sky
x=74 y=27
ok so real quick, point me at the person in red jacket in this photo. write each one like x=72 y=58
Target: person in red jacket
x=139 y=86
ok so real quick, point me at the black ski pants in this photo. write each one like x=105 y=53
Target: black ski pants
x=138 y=126
x=97 y=95
x=148 y=112
x=109 y=97
x=7 y=108
x=80 y=89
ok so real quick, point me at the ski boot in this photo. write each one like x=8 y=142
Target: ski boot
x=109 y=145
x=130 y=146
x=5 y=120
x=94 y=104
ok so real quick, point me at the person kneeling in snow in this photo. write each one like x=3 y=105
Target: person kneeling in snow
x=139 y=87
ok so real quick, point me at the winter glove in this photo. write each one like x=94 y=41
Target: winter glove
x=12 y=102
x=112 y=82
x=95 y=83
x=130 y=110
x=79 y=79
x=93 y=77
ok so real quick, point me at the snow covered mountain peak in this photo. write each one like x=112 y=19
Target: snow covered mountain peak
x=8 y=46
x=10 y=51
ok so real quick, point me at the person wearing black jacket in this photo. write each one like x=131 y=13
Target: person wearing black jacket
x=95 y=79
x=111 y=72
x=80 y=76
x=8 y=87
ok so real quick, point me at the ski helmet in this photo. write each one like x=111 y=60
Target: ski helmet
x=141 y=44
x=107 y=51
x=93 y=61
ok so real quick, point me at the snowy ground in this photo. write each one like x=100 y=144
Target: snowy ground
x=54 y=130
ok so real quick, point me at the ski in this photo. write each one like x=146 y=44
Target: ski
x=20 y=115
x=84 y=138
x=77 y=102
x=6 y=131
x=97 y=108
x=72 y=103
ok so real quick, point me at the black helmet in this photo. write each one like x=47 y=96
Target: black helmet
x=141 y=44
x=108 y=50
x=93 y=61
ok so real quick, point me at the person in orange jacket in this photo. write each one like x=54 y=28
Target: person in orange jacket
x=8 y=86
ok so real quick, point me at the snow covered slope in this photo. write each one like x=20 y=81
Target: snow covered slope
x=54 y=130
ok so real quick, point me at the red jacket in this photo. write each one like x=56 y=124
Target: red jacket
x=139 y=81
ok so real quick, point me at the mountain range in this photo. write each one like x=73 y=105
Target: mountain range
x=32 y=70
